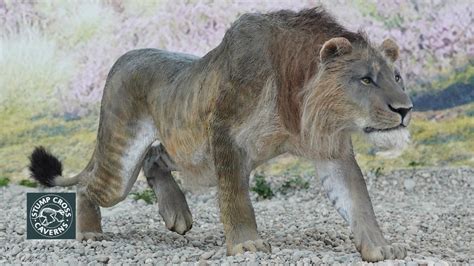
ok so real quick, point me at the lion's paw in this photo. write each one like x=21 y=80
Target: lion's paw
x=179 y=220
x=94 y=236
x=386 y=252
x=252 y=246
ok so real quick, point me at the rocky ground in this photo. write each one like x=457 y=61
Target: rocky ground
x=430 y=210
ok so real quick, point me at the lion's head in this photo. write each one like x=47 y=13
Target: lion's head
x=358 y=88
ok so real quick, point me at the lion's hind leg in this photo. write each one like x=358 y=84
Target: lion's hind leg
x=121 y=147
x=172 y=203
x=88 y=218
x=118 y=157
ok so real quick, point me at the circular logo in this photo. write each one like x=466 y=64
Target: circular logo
x=51 y=216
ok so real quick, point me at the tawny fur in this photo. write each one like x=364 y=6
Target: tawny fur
x=279 y=82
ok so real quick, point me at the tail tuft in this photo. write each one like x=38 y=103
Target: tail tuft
x=44 y=166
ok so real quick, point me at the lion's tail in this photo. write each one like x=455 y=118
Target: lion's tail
x=47 y=169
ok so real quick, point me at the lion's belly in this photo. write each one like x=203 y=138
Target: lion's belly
x=190 y=150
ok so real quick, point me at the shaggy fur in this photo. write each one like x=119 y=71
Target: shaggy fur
x=44 y=167
x=396 y=139
x=282 y=82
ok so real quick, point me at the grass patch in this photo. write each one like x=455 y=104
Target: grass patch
x=294 y=183
x=71 y=141
x=441 y=139
x=462 y=75
x=262 y=187
x=415 y=164
x=43 y=131
x=4 y=181
x=28 y=183
x=146 y=195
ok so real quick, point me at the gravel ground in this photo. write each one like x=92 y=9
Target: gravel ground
x=431 y=210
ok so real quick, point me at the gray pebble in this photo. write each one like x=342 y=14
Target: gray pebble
x=14 y=251
x=207 y=255
x=409 y=184
x=102 y=258
x=20 y=230
x=315 y=260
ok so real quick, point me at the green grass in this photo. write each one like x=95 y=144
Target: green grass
x=28 y=183
x=71 y=141
x=264 y=190
x=294 y=183
x=262 y=187
x=146 y=195
x=463 y=75
x=4 y=181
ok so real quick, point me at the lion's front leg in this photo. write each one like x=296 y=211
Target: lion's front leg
x=237 y=214
x=347 y=191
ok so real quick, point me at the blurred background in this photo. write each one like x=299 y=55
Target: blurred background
x=55 y=55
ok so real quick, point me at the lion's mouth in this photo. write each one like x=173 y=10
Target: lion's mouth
x=371 y=129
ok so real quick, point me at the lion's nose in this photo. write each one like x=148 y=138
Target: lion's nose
x=403 y=111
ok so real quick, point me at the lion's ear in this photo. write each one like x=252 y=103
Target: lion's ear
x=390 y=49
x=335 y=47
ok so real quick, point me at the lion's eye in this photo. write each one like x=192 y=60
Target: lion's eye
x=366 y=80
x=397 y=78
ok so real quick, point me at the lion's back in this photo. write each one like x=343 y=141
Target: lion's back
x=143 y=64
